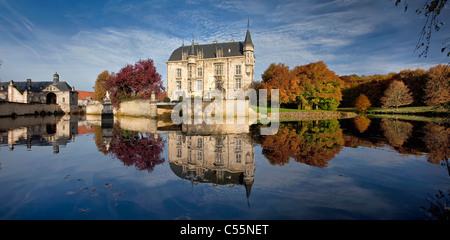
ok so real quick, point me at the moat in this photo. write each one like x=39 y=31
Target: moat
x=57 y=167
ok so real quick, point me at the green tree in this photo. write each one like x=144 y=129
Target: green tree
x=319 y=86
x=100 y=88
x=396 y=95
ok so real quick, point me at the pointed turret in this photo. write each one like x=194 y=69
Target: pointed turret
x=248 y=38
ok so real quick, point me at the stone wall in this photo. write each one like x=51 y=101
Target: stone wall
x=135 y=108
x=21 y=109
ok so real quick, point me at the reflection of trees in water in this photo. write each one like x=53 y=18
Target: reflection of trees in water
x=99 y=141
x=310 y=142
x=396 y=132
x=143 y=150
x=361 y=123
x=437 y=142
x=439 y=206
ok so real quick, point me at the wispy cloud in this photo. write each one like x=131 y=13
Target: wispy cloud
x=363 y=37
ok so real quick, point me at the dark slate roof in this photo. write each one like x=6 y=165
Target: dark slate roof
x=248 y=38
x=35 y=86
x=209 y=50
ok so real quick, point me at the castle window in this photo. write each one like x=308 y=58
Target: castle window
x=238 y=69
x=238 y=158
x=218 y=158
x=178 y=85
x=199 y=72
x=218 y=69
x=190 y=71
x=199 y=156
x=238 y=146
x=178 y=72
x=199 y=86
x=179 y=153
x=199 y=142
x=238 y=83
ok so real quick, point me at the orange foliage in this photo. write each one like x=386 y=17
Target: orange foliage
x=361 y=123
x=437 y=141
x=437 y=88
x=309 y=143
x=362 y=103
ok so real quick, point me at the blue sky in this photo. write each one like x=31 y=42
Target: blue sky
x=79 y=39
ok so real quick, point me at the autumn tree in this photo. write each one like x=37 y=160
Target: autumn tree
x=140 y=80
x=396 y=95
x=278 y=76
x=437 y=142
x=320 y=88
x=309 y=142
x=361 y=123
x=437 y=89
x=100 y=88
x=396 y=132
x=142 y=150
x=362 y=103
x=415 y=81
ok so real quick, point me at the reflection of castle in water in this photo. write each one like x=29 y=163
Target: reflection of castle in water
x=220 y=159
x=53 y=131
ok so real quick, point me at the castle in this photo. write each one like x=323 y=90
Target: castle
x=198 y=69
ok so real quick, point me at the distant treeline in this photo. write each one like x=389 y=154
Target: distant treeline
x=424 y=86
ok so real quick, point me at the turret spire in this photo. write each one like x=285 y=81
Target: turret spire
x=248 y=38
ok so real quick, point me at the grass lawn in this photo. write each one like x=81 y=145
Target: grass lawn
x=400 y=110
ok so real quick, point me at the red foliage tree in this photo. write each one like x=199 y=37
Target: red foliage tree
x=138 y=149
x=141 y=79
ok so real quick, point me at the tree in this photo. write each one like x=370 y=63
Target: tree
x=396 y=95
x=310 y=142
x=396 y=132
x=415 y=80
x=99 y=88
x=361 y=123
x=142 y=150
x=437 y=142
x=362 y=103
x=431 y=11
x=437 y=88
x=277 y=76
x=320 y=87
x=139 y=80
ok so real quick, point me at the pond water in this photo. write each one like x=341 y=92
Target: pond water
x=362 y=168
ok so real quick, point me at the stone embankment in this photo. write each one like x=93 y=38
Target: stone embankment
x=8 y=109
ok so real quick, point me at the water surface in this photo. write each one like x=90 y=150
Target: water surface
x=363 y=168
